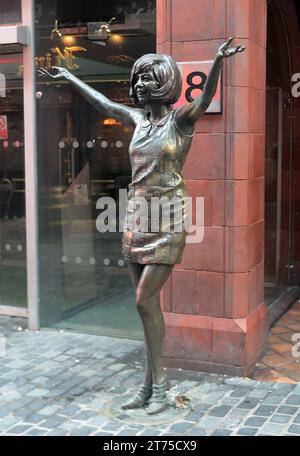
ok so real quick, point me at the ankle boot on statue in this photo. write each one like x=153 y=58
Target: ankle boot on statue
x=140 y=399
x=158 y=402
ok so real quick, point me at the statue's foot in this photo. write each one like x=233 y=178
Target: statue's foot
x=167 y=384
x=140 y=399
x=158 y=402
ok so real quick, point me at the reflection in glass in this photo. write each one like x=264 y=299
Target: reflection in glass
x=12 y=183
x=85 y=283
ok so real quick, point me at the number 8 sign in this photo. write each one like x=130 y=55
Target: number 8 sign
x=194 y=76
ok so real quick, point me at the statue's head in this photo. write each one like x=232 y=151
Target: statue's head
x=165 y=73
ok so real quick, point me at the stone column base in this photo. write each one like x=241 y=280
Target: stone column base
x=219 y=345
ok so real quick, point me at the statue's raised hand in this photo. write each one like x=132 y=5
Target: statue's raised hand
x=61 y=73
x=225 y=51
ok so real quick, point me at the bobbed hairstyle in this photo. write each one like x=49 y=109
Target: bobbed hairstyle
x=165 y=72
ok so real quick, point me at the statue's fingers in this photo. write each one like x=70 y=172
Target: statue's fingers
x=228 y=42
x=226 y=45
x=230 y=52
x=242 y=48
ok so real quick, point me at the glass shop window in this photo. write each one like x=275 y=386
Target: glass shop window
x=83 y=156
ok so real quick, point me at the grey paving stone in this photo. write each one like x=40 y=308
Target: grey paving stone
x=85 y=415
x=103 y=434
x=297 y=387
x=280 y=419
x=220 y=410
x=258 y=393
x=247 y=382
x=49 y=410
x=70 y=410
x=84 y=430
x=241 y=392
x=37 y=431
x=247 y=431
x=234 y=381
x=209 y=422
x=297 y=419
x=294 y=429
x=37 y=404
x=52 y=394
x=182 y=427
x=284 y=388
x=111 y=425
x=57 y=432
x=53 y=422
x=287 y=410
x=250 y=403
x=201 y=407
x=98 y=420
x=38 y=392
x=231 y=422
x=222 y=432
x=272 y=400
x=213 y=397
x=272 y=428
x=197 y=431
x=149 y=432
x=195 y=415
x=255 y=421
x=240 y=412
x=8 y=422
x=34 y=418
x=128 y=432
x=293 y=399
x=265 y=410
x=19 y=429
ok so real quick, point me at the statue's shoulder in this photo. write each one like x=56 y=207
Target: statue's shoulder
x=139 y=115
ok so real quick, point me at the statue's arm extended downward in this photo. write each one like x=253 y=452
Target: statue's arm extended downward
x=187 y=115
x=109 y=108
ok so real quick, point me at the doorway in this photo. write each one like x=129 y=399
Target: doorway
x=279 y=203
x=13 y=282
x=84 y=281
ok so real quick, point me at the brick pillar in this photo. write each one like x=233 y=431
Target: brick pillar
x=216 y=318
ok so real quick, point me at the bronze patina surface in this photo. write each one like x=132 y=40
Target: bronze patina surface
x=161 y=140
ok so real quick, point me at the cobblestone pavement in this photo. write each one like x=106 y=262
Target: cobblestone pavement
x=59 y=383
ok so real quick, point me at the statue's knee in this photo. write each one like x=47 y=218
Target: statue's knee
x=142 y=301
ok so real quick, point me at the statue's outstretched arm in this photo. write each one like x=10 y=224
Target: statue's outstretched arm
x=187 y=115
x=108 y=108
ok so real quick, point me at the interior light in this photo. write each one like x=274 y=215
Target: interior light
x=111 y=122
x=69 y=39
x=117 y=39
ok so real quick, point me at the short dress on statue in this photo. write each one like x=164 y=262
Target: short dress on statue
x=155 y=228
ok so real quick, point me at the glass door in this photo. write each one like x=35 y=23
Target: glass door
x=13 y=283
x=83 y=157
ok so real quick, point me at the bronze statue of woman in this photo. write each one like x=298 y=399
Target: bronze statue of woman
x=158 y=149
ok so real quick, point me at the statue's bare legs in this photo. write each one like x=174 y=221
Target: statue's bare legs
x=148 y=281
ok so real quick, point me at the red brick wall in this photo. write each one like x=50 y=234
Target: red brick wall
x=214 y=307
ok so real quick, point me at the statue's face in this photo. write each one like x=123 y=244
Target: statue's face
x=144 y=86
